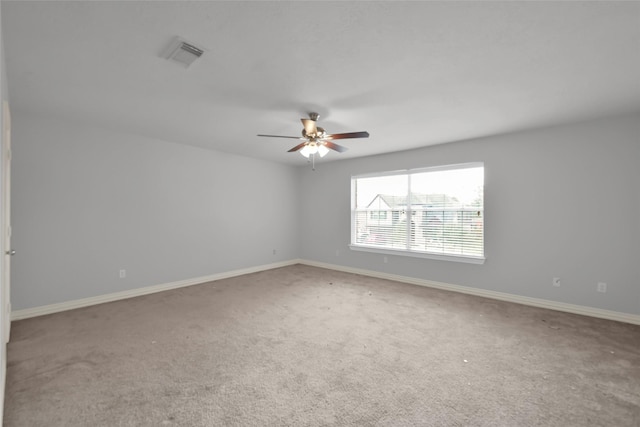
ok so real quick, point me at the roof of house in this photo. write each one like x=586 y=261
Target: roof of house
x=431 y=200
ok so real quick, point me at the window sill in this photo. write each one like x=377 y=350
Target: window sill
x=428 y=255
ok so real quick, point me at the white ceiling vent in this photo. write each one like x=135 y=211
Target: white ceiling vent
x=182 y=52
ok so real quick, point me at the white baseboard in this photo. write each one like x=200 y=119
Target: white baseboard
x=534 y=302
x=101 y=299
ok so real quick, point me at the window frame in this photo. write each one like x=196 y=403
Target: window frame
x=406 y=251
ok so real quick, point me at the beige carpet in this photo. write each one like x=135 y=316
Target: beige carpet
x=303 y=346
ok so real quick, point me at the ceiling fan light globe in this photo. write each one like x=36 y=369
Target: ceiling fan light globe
x=313 y=148
x=305 y=151
x=322 y=150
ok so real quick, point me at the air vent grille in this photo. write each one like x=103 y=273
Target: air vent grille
x=189 y=48
x=183 y=52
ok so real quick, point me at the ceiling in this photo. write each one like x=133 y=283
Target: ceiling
x=412 y=74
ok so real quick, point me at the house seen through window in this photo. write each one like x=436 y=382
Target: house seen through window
x=432 y=212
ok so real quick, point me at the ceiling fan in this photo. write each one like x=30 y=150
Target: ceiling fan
x=316 y=140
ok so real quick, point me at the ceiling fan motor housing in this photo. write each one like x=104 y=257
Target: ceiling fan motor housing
x=320 y=133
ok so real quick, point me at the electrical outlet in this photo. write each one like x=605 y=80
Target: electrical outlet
x=274 y=251
x=556 y=281
x=123 y=274
x=385 y=259
x=602 y=287
x=337 y=252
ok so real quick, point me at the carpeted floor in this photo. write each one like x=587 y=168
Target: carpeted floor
x=303 y=346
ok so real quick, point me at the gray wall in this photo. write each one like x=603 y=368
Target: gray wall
x=559 y=202
x=88 y=202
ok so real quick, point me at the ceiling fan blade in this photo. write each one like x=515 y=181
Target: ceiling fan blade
x=309 y=126
x=348 y=135
x=336 y=147
x=280 y=136
x=297 y=147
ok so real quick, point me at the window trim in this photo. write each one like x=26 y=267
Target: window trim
x=413 y=253
x=416 y=254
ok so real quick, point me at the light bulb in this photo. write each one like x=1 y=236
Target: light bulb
x=313 y=148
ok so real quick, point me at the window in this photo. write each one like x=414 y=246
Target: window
x=432 y=212
x=378 y=214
